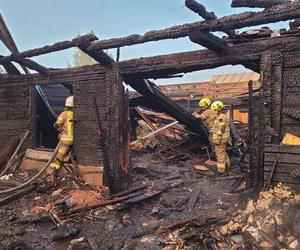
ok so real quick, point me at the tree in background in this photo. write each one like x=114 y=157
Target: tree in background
x=80 y=58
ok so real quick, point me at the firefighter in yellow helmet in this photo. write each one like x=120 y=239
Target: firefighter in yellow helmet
x=221 y=136
x=64 y=125
x=207 y=115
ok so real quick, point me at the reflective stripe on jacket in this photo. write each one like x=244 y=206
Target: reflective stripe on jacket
x=221 y=131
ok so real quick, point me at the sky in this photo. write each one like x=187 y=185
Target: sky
x=36 y=23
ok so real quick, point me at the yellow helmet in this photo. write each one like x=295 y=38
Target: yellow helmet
x=217 y=105
x=204 y=102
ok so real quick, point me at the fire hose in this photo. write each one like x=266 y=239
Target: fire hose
x=31 y=180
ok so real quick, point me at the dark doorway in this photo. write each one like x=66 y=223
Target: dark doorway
x=50 y=100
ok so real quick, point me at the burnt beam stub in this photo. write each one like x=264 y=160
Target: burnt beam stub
x=200 y=9
x=258 y=3
x=209 y=41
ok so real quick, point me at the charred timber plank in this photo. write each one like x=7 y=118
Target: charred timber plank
x=51 y=48
x=282 y=177
x=209 y=41
x=285 y=168
x=104 y=203
x=32 y=65
x=194 y=196
x=282 y=158
x=204 y=59
x=84 y=74
x=257 y=3
x=282 y=149
x=278 y=13
x=200 y=9
x=171 y=224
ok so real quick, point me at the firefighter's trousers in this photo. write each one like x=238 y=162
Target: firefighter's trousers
x=223 y=160
x=62 y=152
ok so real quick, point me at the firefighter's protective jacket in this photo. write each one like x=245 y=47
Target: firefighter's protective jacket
x=221 y=130
x=64 y=123
x=208 y=117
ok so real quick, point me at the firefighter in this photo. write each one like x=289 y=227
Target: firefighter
x=221 y=136
x=64 y=125
x=207 y=115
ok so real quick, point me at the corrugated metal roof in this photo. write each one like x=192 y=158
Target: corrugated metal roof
x=235 y=78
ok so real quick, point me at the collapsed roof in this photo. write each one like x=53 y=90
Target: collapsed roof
x=234 y=49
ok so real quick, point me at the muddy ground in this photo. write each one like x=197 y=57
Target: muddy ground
x=141 y=225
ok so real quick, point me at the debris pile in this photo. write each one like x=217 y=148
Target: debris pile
x=164 y=136
x=264 y=223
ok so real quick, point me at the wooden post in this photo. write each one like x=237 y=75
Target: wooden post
x=251 y=141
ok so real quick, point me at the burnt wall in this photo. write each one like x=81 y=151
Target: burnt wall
x=100 y=126
x=278 y=110
x=93 y=86
x=290 y=122
x=15 y=112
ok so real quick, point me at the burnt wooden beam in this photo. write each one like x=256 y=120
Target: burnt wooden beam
x=200 y=9
x=277 y=13
x=10 y=68
x=51 y=48
x=209 y=41
x=244 y=54
x=98 y=55
x=32 y=65
x=254 y=66
x=257 y=3
x=7 y=39
x=150 y=67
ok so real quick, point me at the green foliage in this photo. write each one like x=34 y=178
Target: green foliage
x=80 y=58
